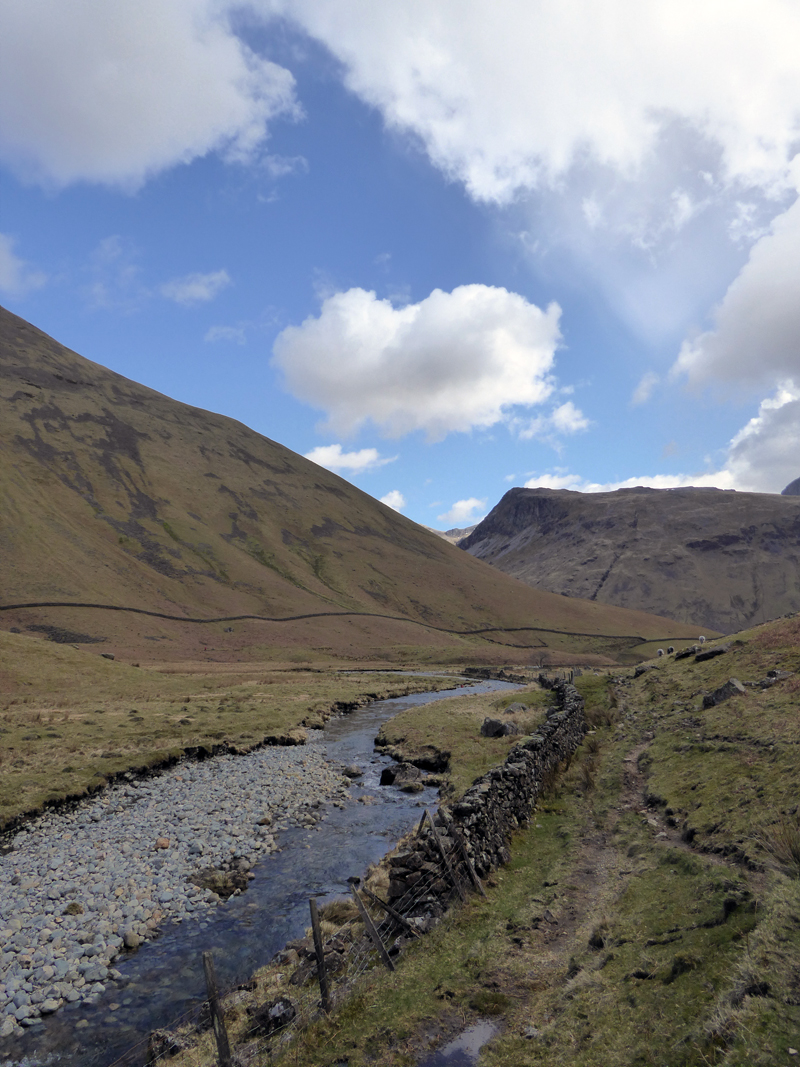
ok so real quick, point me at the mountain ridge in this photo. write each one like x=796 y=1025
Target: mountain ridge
x=726 y=560
x=114 y=494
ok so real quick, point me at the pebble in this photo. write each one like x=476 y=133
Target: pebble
x=79 y=887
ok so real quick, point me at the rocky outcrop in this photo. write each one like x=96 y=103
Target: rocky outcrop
x=722 y=560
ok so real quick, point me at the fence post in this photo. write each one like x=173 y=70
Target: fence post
x=217 y=1017
x=447 y=865
x=462 y=848
x=373 y=933
x=324 y=987
x=398 y=918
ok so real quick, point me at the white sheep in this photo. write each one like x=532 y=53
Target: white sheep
x=701 y=639
x=661 y=652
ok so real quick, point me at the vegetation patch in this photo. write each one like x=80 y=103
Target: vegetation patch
x=615 y=935
x=70 y=720
x=446 y=736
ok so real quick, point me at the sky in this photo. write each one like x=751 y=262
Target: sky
x=440 y=247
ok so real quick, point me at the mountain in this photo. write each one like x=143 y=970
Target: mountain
x=168 y=517
x=453 y=536
x=723 y=560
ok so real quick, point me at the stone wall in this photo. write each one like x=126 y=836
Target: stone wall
x=490 y=811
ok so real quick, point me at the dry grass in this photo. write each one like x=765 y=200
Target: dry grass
x=450 y=730
x=69 y=719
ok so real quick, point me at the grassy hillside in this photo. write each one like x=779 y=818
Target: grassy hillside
x=114 y=495
x=651 y=911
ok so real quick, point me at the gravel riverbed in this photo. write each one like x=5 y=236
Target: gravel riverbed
x=82 y=886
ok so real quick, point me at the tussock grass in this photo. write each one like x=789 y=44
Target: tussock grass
x=781 y=841
x=69 y=719
x=661 y=952
x=453 y=726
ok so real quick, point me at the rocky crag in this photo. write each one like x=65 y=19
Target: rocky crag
x=723 y=560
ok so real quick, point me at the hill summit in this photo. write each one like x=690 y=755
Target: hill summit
x=197 y=536
x=723 y=559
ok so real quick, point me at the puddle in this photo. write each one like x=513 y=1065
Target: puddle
x=463 y=1051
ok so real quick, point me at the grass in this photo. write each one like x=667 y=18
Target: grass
x=450 y=730
x=610 y=938
x=69 y=719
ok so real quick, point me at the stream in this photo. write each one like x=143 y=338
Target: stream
x=164 y=978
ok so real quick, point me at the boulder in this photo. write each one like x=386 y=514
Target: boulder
x=274 y=1015
x=711 y=653
x=733 y=687
x=401 y=774
x=496 y=728
x=512 y=709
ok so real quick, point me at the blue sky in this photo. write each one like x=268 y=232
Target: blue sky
x=443 y=247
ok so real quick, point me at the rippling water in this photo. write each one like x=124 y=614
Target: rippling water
x=164 y=978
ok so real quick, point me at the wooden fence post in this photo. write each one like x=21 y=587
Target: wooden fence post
x=447 y=865
x=462 y=848
x=324 y=987
x=398 y=918
x=373 y=933
x=217 y=1017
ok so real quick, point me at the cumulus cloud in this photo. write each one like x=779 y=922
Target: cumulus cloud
x=506 y=96
x=763 y=457
x=16 y=277
x=652 y=145
x=196 y=288
x=335 y=459
x=756 y=335
x=451 y=362
x=464 y=512
x=114 y=93
x=394 y=499
x=565 y=419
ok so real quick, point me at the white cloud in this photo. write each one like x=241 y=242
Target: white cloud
x=116 y=92
x=196 y=288
x=463 y=512
x=233 y=334
x=763 y=457
x=394 y=499
x=507 y=95
x=452 y=362
x=644 y=390
x=334 y=459
x=16 y=277
x=649 y=143
x=757 y=326
x=565 y=419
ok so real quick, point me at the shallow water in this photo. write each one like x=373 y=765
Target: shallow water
x=164 y=978
x=464 y=1050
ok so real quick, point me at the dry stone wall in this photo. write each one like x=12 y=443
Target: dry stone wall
x=494 y=807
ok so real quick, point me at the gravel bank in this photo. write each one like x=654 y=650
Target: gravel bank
x=80 y=887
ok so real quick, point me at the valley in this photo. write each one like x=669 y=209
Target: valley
x=185 y=605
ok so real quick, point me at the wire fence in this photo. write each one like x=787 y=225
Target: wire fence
x=253 y=1023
